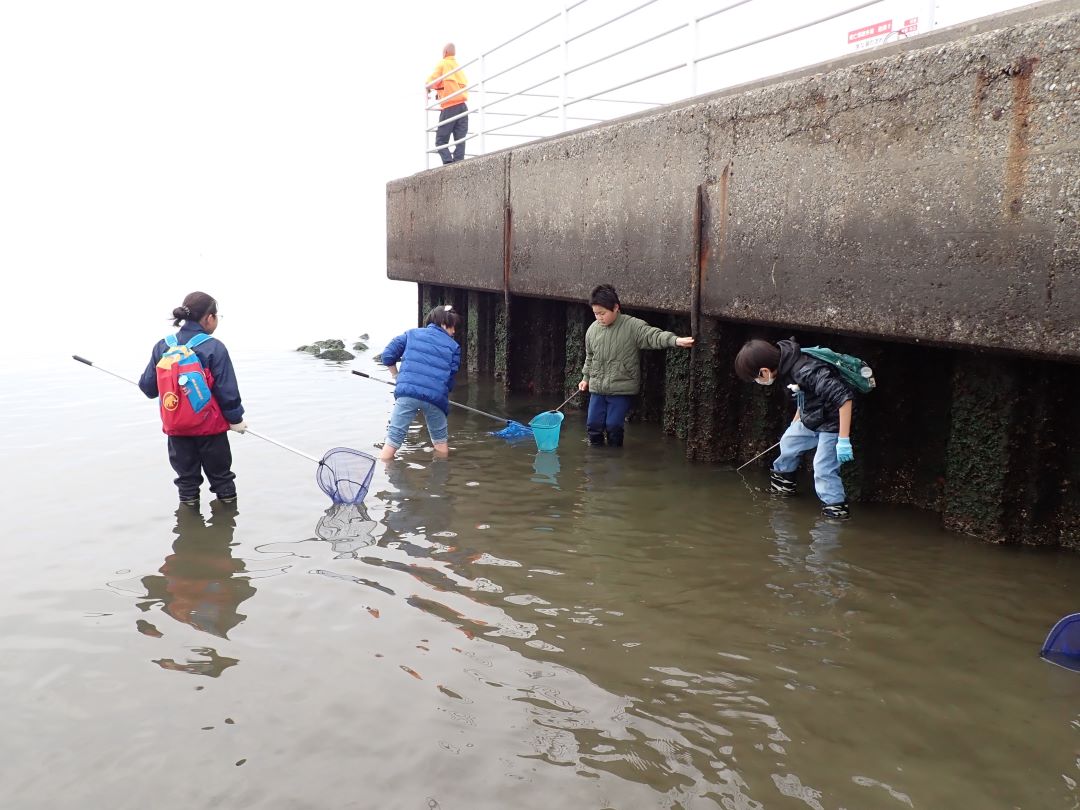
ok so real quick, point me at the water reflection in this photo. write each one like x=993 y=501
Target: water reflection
x=348 y=528
x=810 y=546
x=419 y=508
x=200 y=585
x=420 y=512
x=546 y=469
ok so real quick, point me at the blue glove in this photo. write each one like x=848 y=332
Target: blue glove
x=844 y=453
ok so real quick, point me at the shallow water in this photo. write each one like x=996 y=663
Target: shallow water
x=586 y=629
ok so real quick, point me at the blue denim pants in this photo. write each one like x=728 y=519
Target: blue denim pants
x=405 y=409
x=607 y=413
x=799 y=439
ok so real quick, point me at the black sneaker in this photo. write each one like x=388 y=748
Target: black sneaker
x=781 y=483
x=836 y=511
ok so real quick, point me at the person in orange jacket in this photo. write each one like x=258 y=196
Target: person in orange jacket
x=446 y=81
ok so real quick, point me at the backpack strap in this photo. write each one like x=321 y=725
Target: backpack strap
x=170 y=341
x=198 y=340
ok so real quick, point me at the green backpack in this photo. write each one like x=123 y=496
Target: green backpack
x=854 y=371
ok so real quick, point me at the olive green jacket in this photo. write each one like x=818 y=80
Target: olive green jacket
x=613 y=354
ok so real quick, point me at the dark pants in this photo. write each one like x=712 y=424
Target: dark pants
x=211 y=454
x=459 y=129
x=607 y=413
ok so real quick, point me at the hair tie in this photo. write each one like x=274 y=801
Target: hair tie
x=185 y=310
x=448 y=307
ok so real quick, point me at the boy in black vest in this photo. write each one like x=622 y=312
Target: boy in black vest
x=822 y=417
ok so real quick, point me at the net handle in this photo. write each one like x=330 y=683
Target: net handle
x=759 y=455
x=556 y=410
x=99 y=368
x=282 y=445
x=262 y=436
x=496 y=417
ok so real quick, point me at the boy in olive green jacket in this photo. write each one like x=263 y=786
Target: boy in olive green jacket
x=612 y=370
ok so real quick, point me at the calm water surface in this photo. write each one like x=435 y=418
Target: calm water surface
x=590 y=629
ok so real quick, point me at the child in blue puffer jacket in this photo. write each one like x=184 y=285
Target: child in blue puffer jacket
x=429 y=359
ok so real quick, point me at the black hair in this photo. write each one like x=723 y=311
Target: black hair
x=754 y=356
x=604 y=296
x=444 y=316
x=195 y=306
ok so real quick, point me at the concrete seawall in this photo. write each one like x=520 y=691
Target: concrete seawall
x=919 y=208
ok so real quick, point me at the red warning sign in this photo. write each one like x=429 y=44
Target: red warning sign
x=866 y=32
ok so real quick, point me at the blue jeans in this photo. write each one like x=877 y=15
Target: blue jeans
x=405 y=409
x=607 y=413
x=798 y=439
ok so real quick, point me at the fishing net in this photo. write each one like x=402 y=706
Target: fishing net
x=546 y=427
x=1062 y=646
x=513 y=430
x=345 y=474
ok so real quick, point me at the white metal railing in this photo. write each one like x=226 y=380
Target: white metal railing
x=755 y=38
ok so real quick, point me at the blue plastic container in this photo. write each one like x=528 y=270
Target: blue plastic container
x=546 y=427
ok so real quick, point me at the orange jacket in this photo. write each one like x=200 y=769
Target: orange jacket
x=449 y=85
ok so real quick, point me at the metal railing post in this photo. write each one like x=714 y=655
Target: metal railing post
x=691 y=59
x=483 y=107
x=564 y=62
x=926 y=25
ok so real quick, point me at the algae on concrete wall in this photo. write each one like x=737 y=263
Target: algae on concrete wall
x=502 y=344
x=991 y=442
x=578 y=319
x=977 y=460
x=676 y=379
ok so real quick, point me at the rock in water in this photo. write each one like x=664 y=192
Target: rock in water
x=360 y=346
x=365 y=336
x=330 y=349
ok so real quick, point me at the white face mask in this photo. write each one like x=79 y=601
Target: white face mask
x=761 y=381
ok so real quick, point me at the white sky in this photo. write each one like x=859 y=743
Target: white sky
x=243 y=148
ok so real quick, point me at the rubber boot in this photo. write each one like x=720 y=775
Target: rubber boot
x=836 y=511
x=781 y=483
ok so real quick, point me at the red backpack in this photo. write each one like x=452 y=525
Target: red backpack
x=188 y=407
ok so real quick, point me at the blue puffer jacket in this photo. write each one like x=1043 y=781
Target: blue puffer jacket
x=429 y=359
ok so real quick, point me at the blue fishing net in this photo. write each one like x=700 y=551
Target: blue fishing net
x=345 y=474
x=513 y=430
x=1062 y=646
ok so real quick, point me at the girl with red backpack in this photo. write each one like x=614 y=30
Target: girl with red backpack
x=191 y=374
